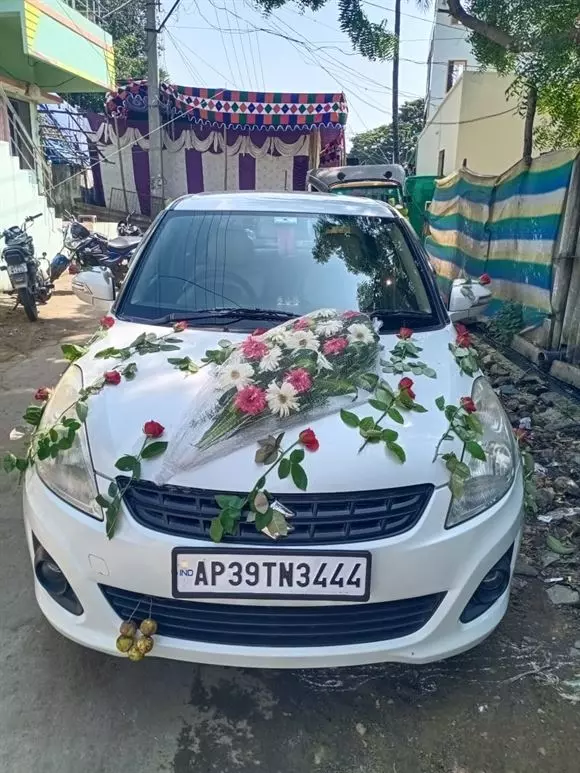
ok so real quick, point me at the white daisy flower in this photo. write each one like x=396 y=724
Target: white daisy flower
x=302 y=339
x=323 y=314
x=329 y=328
x=282 y=399
x=270 y=361
x=236 y=374
x=360 y=334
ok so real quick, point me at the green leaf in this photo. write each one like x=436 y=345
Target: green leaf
x=72 y=352
x=440 y=403
x=556 y=546
x=395 y=415
x=9 y=463
x=350 y=419
x=129 y=371
x=379 y=405
x=475 y=450
x=216 y=530
x=113 y=489
x=297 y=456
x=299 y=477
x=43 y=452
x=389 y=435
x=225 y=501
x=127 y=463
x=82 y=410
x=368 y=381
x=173 y=340
x=397 y=450
x=169 y=348
x=264 y=519
x=284 y=468
x=71 y=424
x=108 y=353
x=450 y=411
x=418 y=408
x=474 y=423
x=223 y=343
x=279 y=524
x=456 y=484
x=430 y=372
x=366 y=424
x=33 y=415
x=66 y=442
x=112 y=516
x=154 y=449
x=229 y=519
x=102 y=501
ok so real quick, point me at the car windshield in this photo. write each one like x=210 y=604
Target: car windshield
x=237 y=267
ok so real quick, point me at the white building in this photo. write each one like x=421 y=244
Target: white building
x=470 y=121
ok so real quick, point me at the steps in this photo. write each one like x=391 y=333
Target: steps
x=19 y=197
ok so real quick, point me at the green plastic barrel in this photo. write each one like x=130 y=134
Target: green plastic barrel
x=419 y=190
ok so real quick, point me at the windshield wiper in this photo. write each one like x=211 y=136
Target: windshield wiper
x=233 y=314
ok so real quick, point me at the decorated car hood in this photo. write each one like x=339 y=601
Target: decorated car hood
x=177 y=399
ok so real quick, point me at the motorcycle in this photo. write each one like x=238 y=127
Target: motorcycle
x=126 y=228
x=88 y=249
x=30 y=282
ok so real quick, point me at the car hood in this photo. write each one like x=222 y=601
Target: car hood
x=162 y=393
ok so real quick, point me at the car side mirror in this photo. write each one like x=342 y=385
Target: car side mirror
x=94 y=287
x=468 y=300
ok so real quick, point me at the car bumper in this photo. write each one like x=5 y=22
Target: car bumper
x=425 y=560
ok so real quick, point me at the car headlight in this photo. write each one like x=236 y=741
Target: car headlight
x=70 y=476
x=492 y=479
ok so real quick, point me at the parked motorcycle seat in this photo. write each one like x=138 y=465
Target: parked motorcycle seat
x=124 y=243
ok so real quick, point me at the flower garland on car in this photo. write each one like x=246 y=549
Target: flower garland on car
x=273 y=375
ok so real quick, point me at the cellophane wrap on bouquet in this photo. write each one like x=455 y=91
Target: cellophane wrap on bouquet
x=300 y=370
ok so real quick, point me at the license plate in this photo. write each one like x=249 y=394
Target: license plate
x=275 y=574
x=20 y=269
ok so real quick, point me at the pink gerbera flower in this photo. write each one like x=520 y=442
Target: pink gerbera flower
x=335 y=346
x=254 y=349
x=250 y=399
x=301 y=324
x=300 y=379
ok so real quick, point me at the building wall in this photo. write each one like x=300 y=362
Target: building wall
x=476 y=125
x=441 y=134
x=448 y=42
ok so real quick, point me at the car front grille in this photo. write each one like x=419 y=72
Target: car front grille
x=324 y=519
x=276 y=626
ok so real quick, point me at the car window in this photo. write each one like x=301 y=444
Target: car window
x=293 y=263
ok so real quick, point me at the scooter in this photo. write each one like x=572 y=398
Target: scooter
x=30 y=282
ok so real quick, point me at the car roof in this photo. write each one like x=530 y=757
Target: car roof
x=290 y=203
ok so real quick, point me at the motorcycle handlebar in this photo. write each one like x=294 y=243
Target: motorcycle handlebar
x=30 y=218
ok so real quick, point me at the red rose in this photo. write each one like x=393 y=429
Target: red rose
x=468 y=405
x=406 y=385
x=259 y=331
x=179 y=327
x=405 y=333
x=107 y=322
x=464 y=340
x=112 y=377
x=153 y=429
x=484 y=279
x=308 y=439
x=42 y=394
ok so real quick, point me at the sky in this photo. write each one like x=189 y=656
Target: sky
x=214 y=43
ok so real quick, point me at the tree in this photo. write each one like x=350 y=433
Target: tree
x=376 y=146
x=127 y=28
x=536 y=42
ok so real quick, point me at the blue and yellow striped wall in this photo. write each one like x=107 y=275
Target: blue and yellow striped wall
x=504 y=226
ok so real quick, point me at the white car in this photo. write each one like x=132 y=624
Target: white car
x=382 y=562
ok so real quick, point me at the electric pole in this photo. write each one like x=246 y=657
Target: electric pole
x=156 y=185
x=395 y=118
